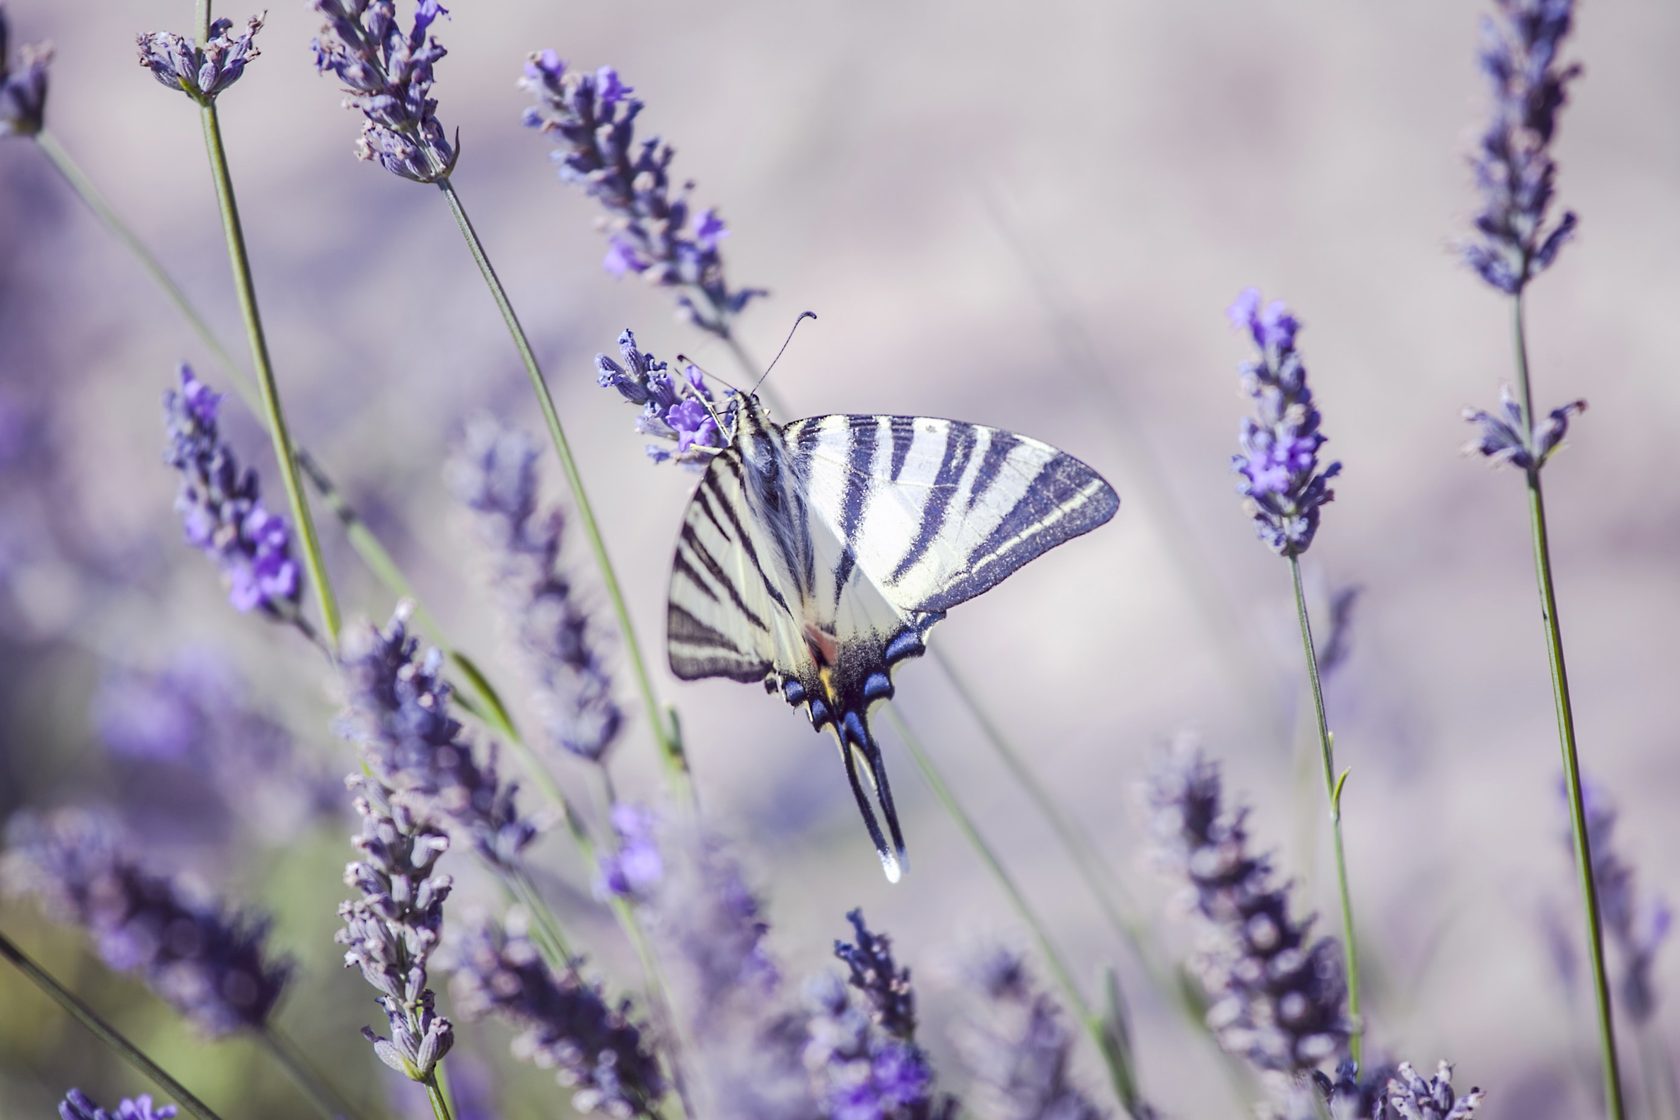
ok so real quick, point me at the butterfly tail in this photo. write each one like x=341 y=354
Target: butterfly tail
x=860 y=752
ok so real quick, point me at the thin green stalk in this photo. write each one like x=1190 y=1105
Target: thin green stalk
x=322 y=1095
x=1118 y=1072
x=1566 y=739
x=438 y=1098
x=246 y=289
x=103 y=1031
x=670 y=750
x=1333 y=792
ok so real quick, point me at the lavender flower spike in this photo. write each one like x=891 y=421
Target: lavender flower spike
x=651 y=230
x=495 y=474
x=78 y=1106
x=1021 y=1053
x=860 y=1072
x=1279 y=461
x=23 y=88
x=1514 y=170
x=200 y=72
x=209 y=964
x=387 y=76
x=1502 y=440
x=876 y=974
x=1278 y=996
x=221 y=509
x=682 y=411
x=1411 y=1097
x=565 y=1024
x=391 y=931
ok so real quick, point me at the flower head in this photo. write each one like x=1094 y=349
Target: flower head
x=23 y=86
x=1501 y=437
x=1515 y=239
x=1278 y=995
x=1281 y=481
x=1019 y=1048
x=1411 y=1097
x=565 y=1024
x=884 y=985
x=200 y=71
x=387 y=76
x=682 y=411
x=77 y=1105
x=495 y=474
x=208 y=963
x=652 y=230
x=634 y=868
x=221 y=509
x=862 y=1073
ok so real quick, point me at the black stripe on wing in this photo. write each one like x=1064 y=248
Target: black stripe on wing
x=861 y=440
x=960 y=440
x=707 y=651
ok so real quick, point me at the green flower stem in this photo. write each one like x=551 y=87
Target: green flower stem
x=246 y=290
x=1566 y=738
x=670 y=750
x=1118 y=1067
x=437 y=1097
x=1333 y=792
x=325 y=1099
x=102 y=1030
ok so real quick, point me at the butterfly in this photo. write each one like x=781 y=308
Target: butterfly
x=816 y=555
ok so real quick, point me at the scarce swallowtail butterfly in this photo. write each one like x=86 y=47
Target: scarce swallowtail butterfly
x=816 y=555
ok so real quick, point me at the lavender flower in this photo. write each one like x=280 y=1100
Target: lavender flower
x=391 y=931
x=209 y=964
x=1279 y=459
x=1502 y=439
x=400 y=708
x=859 y=1072
x=495 y=474
x=1637 y=926
x=884 y=985
x=1020 y=1052
x=1278 y=996
x=683 y=411
x=1513 y=164
x=1352 y=1094
x=565 y=1024
x=200 y=72
x=634 y=869
x=23 y=88
x=387 y=75
x=221 y=509
x=78 y=1106
x=1410 y=1097
x=651 y=231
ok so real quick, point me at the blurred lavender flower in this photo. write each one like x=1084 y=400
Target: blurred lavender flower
x=23 y=88
x=1501 y=438
x=862 y=1073
x=650 y=231
x=565 y=1024
x=1019 y=1051
x=1279 y=458
x=78 y=1106
x=634 y=868
x=1278 y=997
x=221 y=510
x=200 y=72
x=391 y=931
x=400 y=714
x=677 y=411
x=1351 y=1095
x=1334 y=650
x=494 y=473
x=705 y=909
x=886 y=987
x=388 y=77
x=209 y=964
x=1637 y=926
x=1513 y=164
x=1410 y=1097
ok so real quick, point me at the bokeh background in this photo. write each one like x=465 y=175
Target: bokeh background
x=1025 y=215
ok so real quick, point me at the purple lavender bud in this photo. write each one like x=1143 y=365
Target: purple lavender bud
x=1352 y=1094
x=221 y=509
x=1019 y=1050
x=684 y=412
x=652 y=229
x=884 y=985
x=387 y=76
x=391 y=931
x=1501 y=437
x=400 y=714
x=1410 y=1097
x=1281 y=481
x=564 y=1023
x=634 y=868
x=78 y=1106
x=1278 y=996
x=23 y=87
x=201 y=72
x=494 y=472
x=858 y=1072
x=209 y=964
x=1514 y=170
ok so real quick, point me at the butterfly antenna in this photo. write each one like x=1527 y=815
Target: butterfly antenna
x=803 y=315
